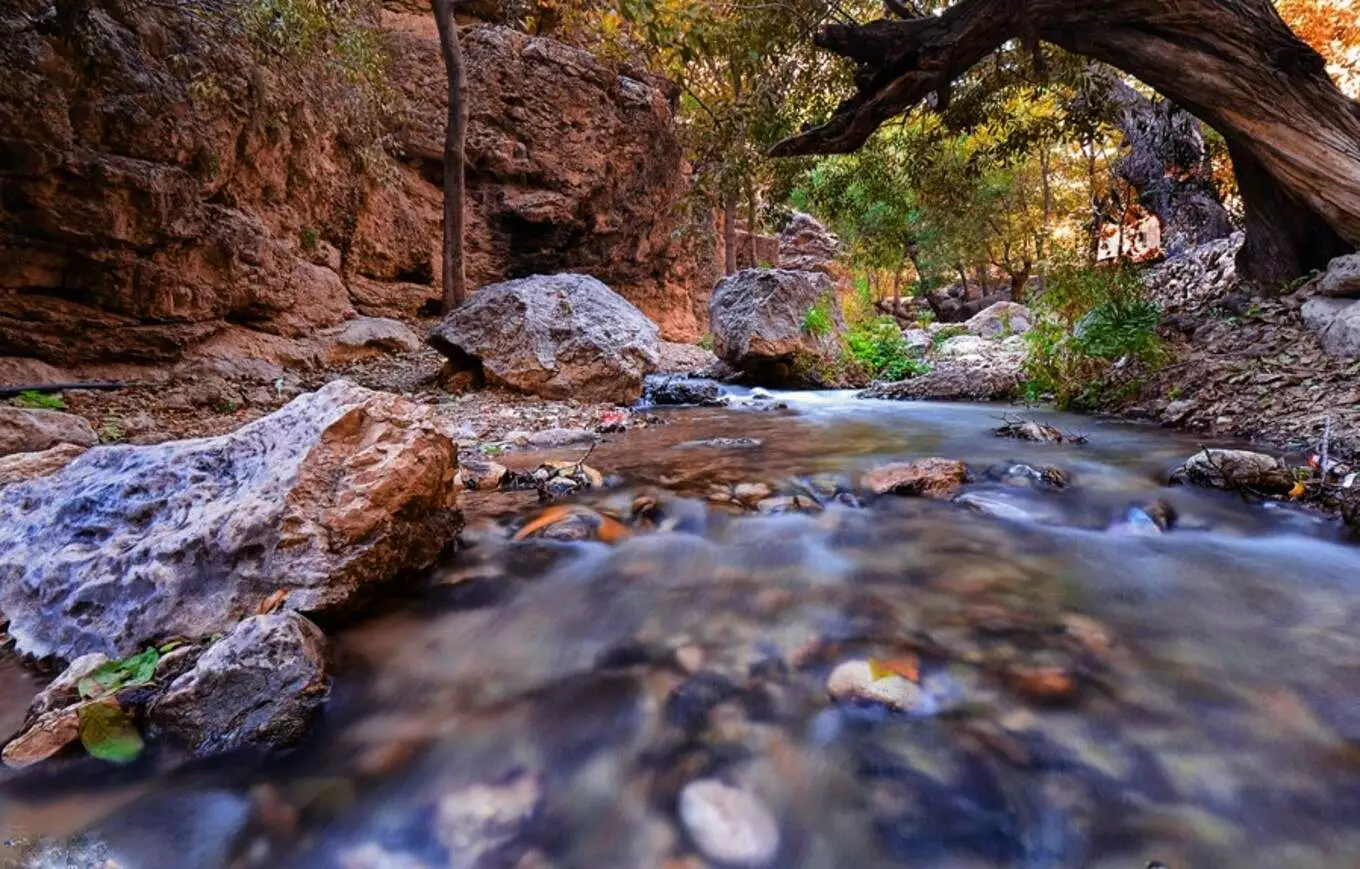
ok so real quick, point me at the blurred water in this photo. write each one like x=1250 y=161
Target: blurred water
x=542 y=704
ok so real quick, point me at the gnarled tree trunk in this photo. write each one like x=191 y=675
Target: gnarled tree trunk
x=1294 y=137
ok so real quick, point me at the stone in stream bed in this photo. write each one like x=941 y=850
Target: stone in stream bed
x=681 y=391
x=1234 y=469
x=260 y=685
x=931 y=478
x=338 y=491
x=857 y=681
x=729 y=825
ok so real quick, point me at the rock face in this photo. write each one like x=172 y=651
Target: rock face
x=1342 y=279
x=1196 y=279
x=806 y=245
x=999 y=321
x=558 y=336
x=759 y=318
x=260 y=685
x=27 y=431
x=337 y=491
x=162 y=183
x=19 y=467
x=1336 y=323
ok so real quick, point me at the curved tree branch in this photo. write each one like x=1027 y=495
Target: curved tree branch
x=1232 y=63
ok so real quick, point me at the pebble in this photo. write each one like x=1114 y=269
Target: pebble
x=729 y=825
x=854 y=680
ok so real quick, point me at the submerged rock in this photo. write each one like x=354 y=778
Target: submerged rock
x=337 y=491
x=261 y=685
x=932 y=478
x=558 y=336
x=729 y=825
x=24 y=430
x=857 y=681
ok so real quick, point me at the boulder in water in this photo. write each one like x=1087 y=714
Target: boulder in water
x=260 y=685
x=681 y=391
x=932 y=478
x=729 y=825
x=1233 y=469
x=339 y=490
x=765 y=320
x=557 y=336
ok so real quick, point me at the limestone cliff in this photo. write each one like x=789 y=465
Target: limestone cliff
x=160 y=189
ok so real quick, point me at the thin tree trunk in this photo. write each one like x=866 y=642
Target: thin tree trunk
x=897 y=291
x=729 y=235
x=454 y=272
x=751 y=212
x=1232 y=63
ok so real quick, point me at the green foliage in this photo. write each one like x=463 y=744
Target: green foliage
x=35 y=400
x=1087 y=318
x=817 y=320
x=227 y=405
x=113 y=676
x=1120 y=328
x=706 y=341
x=107 y=733
x=309 y=237
x=878 y=347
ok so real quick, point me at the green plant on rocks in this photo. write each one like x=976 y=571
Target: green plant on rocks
x=877 y=345
x=817 y=320
x=35 y=400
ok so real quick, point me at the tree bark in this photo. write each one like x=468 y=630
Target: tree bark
x=1234 y=64
x=1166 y=163
x=454 y=272
x=729 y=235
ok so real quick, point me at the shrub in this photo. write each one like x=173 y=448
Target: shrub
x=946 y=333
x=309 y=238
x=34 y=400
x=817 y=320
x=1087 y=318
x=877 y=345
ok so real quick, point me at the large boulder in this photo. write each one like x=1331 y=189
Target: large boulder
x=761 y=319
x=1342 y=278
x=24 y=430
x=805 y=244
x=260 y=685
x=1001 y=320
x=1336 y=322
x=558 y=336
x=336 y=492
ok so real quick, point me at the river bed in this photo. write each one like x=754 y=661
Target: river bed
x=1085 y=690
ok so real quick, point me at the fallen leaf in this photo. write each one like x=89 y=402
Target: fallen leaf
x=1298 y=491
x=108 y=734
x=906 y=666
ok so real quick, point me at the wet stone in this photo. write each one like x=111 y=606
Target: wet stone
x=477 y=821
x=688 y=705
x=729 y=825
x=857 y=681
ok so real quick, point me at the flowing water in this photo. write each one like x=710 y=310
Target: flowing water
x=1091 y=692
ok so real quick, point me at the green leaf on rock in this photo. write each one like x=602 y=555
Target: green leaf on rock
x=112 y=676
x=108 y=734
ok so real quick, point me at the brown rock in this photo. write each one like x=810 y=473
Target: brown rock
x=44 y=738
x=20 y=467
x=932 y=478
x=23 y=430
x=339 y=490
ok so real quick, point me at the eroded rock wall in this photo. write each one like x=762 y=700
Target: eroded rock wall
x=157 y=187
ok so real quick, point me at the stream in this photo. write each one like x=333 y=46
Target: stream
x=1083 y=688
